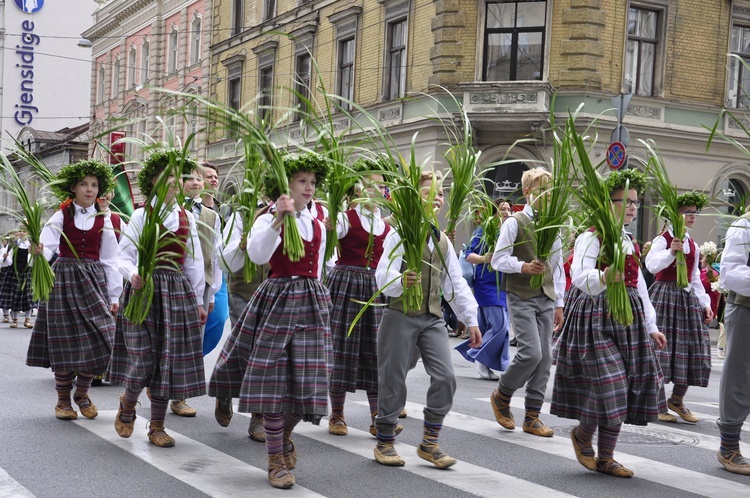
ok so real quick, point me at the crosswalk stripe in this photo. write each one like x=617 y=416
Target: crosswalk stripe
x=463 y=476
x=208 y=470
x=644 y=468
x=9 y=487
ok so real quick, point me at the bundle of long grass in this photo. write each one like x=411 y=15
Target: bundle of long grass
x=668 y=208
x=593 y=195
x=463 y=160
x=30 y=219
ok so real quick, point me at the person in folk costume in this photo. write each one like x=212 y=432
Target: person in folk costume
x=682 y=315
x=15 y=294
x=535 y=313
x=4 y=270
x=73 y=332
x=165 y=352
x=118 y=224
x=361 y=232
x=493 y=311
x=208 y=225
x=402 y=336
x=226 y=380
x=734 y=403
x=284 y=329
x=608 y=373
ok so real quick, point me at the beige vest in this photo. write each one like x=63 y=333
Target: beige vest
x=206 y=226
x=524 y=249
x=432 y=269
x=236 y=283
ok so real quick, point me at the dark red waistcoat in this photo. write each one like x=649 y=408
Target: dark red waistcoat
x=117 y=225
x=354 y=245
x=85 y=243
x=305 y=267
x=669 y=274
x=178 y=239
x=632 y=263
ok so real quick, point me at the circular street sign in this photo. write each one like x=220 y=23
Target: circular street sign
x=616 y=155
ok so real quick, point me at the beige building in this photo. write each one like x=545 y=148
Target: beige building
x=506 y=62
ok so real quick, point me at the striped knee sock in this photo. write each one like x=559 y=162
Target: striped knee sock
x=678 y=392
x=608 y=441
x=63 y=386
x=158 y=409
x=273 y=423
x=130 y=398
x=502 y=397
x=730 y=442
x=532 y=412
x=290 y=422
x=372 y=399
x=83 y=383
x=337 y=402
x=431 y=433
x=584 y=433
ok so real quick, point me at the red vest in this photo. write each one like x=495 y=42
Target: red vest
x=117 y=225
x=632 y=263
x=669 y=274
x=354 y=245
x=85 y=243
x=319 y=214
x=305 y=267
x=178 y=239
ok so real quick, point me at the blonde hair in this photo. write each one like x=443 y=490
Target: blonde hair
x=534 y=175
x=428 y=175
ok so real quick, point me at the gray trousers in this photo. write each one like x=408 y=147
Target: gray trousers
x=236 y=306
x=734 y=401
x=533 y=320
x=401 y=339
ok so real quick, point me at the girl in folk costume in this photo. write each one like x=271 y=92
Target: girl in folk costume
x=4 y=246
x=165 y=351
x=117 y=222
x=361 y=231
x=608 y=373
x=74 y=329
x=681 y=313
x=15 y=293
x=284 y=332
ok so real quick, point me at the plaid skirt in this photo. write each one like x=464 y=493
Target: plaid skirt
x=571 y=295
x=229 y=370
x=165 y=352
x=288 y=366
x=355 y=356
x=606 y=374
x=15 y=291
x=686 y=359
x=74 y=328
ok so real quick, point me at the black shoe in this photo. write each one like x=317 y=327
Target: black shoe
x=514 y=343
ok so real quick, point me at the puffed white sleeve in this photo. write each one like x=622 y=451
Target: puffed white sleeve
x=503 y=259
x=649 y=312
x=388 y=272
x=583 y=271
x=232 y=257
x=659 y=257
x=457 y=291
x=108 y=259
x=263 y=240
x=734 y=273
x=127 y=250
x=50 y=236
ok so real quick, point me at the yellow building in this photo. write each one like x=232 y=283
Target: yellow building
x=506 y=61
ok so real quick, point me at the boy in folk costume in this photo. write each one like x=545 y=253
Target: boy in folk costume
x=403 y=335
x=165 y=352
x=734 y=403
x=75 y=327
x=535 y=313
x=608 y=373
x=15 y=294
x=681 y=314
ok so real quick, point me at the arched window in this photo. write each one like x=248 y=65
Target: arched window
x=132 y=64
x=116 y=78
x=195 y=41
x=100 y=86
x=172 y=55
x=145 y=54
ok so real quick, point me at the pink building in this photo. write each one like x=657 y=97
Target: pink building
x=141 y=45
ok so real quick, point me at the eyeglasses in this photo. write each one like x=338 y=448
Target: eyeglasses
x=629 y=203
x=690 y=213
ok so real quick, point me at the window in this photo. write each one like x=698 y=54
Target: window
x=396 y=60
x=195 y=43
x=738 y=82
x=238 y=16
x=192 y=123
x=172 y=57
x=641 y=53
x=234 y=91
x=346 y=71
x=116 y=78
x=132 y=63
x=269 y=9
x=100 y=86
x=303 y=67
x=145 y=54
x=514 y=40
x=265 y=84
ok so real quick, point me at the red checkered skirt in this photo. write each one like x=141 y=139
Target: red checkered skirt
x=686 y=359
x=607 y=374
x=288 y=365
x=229 y=370
x=74 y=328
x=355 y=356
x=165 y=352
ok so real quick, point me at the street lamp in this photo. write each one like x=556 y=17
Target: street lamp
x=84 y=43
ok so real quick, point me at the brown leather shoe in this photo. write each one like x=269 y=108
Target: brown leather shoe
x=588 y=461
x=158 y=436
x=6 y=318
x=337 y=425
x=502 y=412
x=223 y=411
x=374 y=429
x=290 y=457
x=255 y=430
x=682 y=411
x=667 y=417
x=734 y=462
x=536 y=427
x=278 y=475
x=613 y=468
x=435 y=456
x=403 y=413
x=14 y=323
x=65 y=411
x=87 y=407
x=386 y=454
x=124 y=429
x=179 y=407
x=27 y=323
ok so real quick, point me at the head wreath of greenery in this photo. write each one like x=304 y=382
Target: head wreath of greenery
x=617 y=179
x=158 y=162
x=73 y=173
x=309 y=162
x=692 y=198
